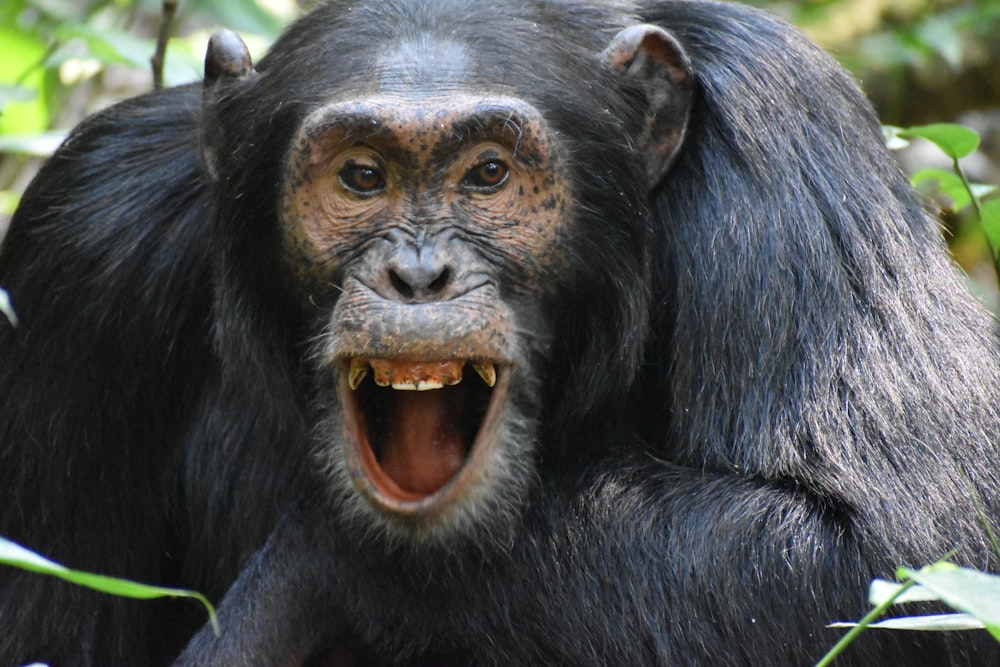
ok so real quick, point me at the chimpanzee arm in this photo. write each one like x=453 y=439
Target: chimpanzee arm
x=281 y=606
x=636 y=568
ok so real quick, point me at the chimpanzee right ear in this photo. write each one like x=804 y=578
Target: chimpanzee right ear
x=227 y=60
x=651 y=57
x=227 y=57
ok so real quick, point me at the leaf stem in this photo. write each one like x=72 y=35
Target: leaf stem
x=869 y=618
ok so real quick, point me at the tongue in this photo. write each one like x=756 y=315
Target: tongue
x=424 y=448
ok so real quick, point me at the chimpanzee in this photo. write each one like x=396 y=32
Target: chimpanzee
x=526 y=332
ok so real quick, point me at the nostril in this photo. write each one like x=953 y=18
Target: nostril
x=401 y=286
x=418 y=272
x=439 y=283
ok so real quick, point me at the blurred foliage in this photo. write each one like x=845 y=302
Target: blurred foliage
x=15 y=555
x=63 y=59
x=920 y=60
x=50 y=47
x=47 y=46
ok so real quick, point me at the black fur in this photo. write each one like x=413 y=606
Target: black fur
x=762 y=385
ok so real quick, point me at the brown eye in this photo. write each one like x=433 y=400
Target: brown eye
x=362 y=179
x=488 y=176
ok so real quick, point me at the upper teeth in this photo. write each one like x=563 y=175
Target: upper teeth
x=416 y=376
x=422 y=385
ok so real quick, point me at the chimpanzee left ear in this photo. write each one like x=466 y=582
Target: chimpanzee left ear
x=654 y=59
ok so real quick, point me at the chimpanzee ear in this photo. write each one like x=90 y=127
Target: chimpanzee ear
x=227 y=59
x=654 y=59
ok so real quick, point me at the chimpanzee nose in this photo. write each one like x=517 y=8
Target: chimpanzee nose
x=419 y=273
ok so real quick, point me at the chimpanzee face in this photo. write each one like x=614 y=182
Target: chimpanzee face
x=421 y=218
x=429 y=218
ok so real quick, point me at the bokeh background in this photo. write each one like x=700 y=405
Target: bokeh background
x=920 y=61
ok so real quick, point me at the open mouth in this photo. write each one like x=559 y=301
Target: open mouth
x=420 y=430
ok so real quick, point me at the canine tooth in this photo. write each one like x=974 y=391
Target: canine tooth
x=487 y=371
x=357 y=373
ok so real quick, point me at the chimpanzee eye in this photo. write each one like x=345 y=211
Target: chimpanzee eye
x=362 y=179
x=488 y=176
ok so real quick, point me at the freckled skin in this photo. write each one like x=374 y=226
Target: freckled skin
x=413 y=218
x=425 y=148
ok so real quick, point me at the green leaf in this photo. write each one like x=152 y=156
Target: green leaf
x=893 y=140
x=981 y=190
x=8 y=202
x=949 y=184
x=930 y=622
x=962 y=589
x=991 y=222
x=7 y=309
x=23 y=102
x=15 y=555
x=956 y=141
x=881 y=590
